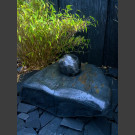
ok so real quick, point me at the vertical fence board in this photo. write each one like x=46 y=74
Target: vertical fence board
x=97 y=9
x=103 y=48
x=111 y=37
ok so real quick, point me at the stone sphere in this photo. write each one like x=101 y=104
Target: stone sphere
x=69 y=65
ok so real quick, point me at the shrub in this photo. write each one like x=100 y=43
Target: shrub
x=43 y=35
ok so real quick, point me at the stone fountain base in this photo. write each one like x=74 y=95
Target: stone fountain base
x=86 y=94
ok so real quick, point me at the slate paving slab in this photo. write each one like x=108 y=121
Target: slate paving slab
x=67 y=131
x=40 y=111
x=114 y=129
x=92 y=129
x=73 y=123
x=33 y=120
x=45 y=118
x=103 y=124
x=23 y=116
x=27 y=131
x=20 y=124
x=25 y=108
x=51 y=127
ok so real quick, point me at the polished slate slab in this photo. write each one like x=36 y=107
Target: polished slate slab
x=86 y=94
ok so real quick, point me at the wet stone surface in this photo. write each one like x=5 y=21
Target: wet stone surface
x=86 y=94
x=69 y=65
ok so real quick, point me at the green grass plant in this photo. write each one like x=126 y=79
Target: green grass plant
x=44 y=34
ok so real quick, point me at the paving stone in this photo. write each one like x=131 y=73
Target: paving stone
x=33 y=124
x=20 y=124
x=73 y=123
x=23 y=116
x=92 y=129
x=114 y=129
x=33 y=120
x=25 y=108
x=27 y=131
x=51 y=127
x=113 y=72
x=67 y=131
x=45 y=118
x=104 y=125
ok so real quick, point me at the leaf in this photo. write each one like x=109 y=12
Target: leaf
x=68 y=7
x=19 y=38
x=41 y=38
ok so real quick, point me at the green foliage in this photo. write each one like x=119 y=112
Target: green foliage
x=43 y=35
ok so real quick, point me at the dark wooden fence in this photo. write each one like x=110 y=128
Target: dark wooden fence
x=103 y=48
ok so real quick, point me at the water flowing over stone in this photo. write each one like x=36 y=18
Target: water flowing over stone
x=86 y=94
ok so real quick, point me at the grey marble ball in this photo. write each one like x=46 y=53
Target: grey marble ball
x=69 y=65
